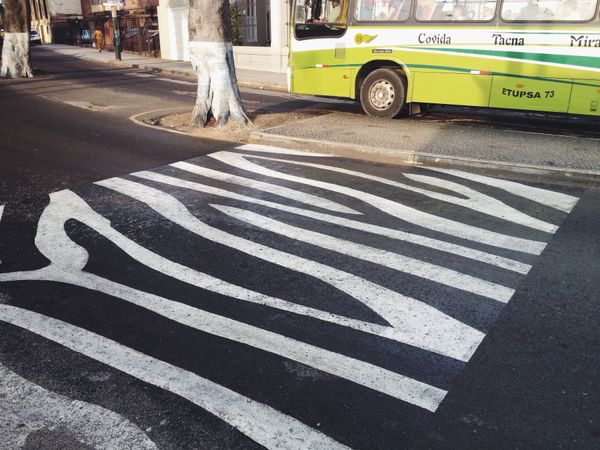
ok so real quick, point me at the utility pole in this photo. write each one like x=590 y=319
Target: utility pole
x=117 y=32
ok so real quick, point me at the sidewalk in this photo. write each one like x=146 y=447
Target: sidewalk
x=458 y=141
x=246 y=78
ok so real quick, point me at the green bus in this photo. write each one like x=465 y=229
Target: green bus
x=394 y=55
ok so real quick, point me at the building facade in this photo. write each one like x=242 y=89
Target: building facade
x=56 y=20
x=262 y=38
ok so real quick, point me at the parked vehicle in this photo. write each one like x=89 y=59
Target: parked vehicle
x=34 y=38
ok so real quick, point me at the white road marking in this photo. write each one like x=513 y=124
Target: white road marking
x=394 y=261
x=280 y=150
x=169 y=80
x=436 y=244
x=258 y=421
x=139 y=75
x=420 y=324
x=398 y=210
x=556 y=200
x=27 y=407
x=475 y=200
x=68 y=260
x=293 y=194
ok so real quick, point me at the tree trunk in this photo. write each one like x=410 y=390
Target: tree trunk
x=15 y=50
x=211 y=55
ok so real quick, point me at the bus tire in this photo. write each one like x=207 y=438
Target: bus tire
x=383 y=93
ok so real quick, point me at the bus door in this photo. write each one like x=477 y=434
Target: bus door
x=318 y=56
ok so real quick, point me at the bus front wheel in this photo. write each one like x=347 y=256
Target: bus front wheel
x=383 y=93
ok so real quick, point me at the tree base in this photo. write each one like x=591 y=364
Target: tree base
x=218 y=93
x=15 y=56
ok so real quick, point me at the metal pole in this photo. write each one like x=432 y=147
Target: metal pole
x=116 y=37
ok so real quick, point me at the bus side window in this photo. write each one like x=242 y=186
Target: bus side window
x=320 y=18
x=460 y=10
x=548 y=10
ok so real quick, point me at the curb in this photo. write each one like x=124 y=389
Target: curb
x=191 y=75
x=526 y=172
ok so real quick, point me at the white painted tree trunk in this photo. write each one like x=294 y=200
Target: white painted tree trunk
x=15 y=50
x=15 y=56
x=211 y=55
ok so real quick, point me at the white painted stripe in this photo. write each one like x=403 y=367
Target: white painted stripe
x=556 y=200
x=398 y=210
x=86 y=215
x=435 y=244
x=394 y=261
x=185 y=83
x=474 y=200
x=68 y=260
x=27 y=407
x=139 y=75
x=441 y=334
x=280 y=150
x=258 y=421
x=296 y=195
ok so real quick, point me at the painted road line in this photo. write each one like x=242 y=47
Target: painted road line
x=280 y=150
x=447 y=247
x=139 y=75
x=27 y=407
x=474 y=200
x=556 y=200
x=395 y=209
x=68 y=260
x=391 y=260
x=443 y=334
x=169 y=80
x=258 y=421
x=288 y=193
x=83 y=213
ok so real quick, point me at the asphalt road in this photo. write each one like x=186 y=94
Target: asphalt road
x=253 y=296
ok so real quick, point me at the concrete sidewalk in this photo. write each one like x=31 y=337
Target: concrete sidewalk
x=247 y=78
x=493 y=140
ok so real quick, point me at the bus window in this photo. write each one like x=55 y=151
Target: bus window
x=382 y=10
x=548 y=10
x=463 y=11
x=320 y=18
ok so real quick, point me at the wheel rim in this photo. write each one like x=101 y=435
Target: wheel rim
x=382 y=95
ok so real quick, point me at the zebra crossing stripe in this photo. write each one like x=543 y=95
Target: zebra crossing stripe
x=395 y=209
x=280 y=150
x=27 y=407
x=443 y=334
x=394 y=261
x=69 y=202
x=68 y=260
x=474 y=200
x=466 y=252
x=258 y=421
x=293 y=194
x=556 y=200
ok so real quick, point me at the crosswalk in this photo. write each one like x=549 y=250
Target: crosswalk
x=332 y=301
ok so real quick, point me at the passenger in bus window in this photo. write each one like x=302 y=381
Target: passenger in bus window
x=530 y=12
x=332 y=12
x=459 y=12
x=488 y=13
x=393 y=10
x=426 y=9
x=568 y=10
x=366 y=10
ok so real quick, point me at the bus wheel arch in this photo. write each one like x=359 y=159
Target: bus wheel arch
x=382 y=89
